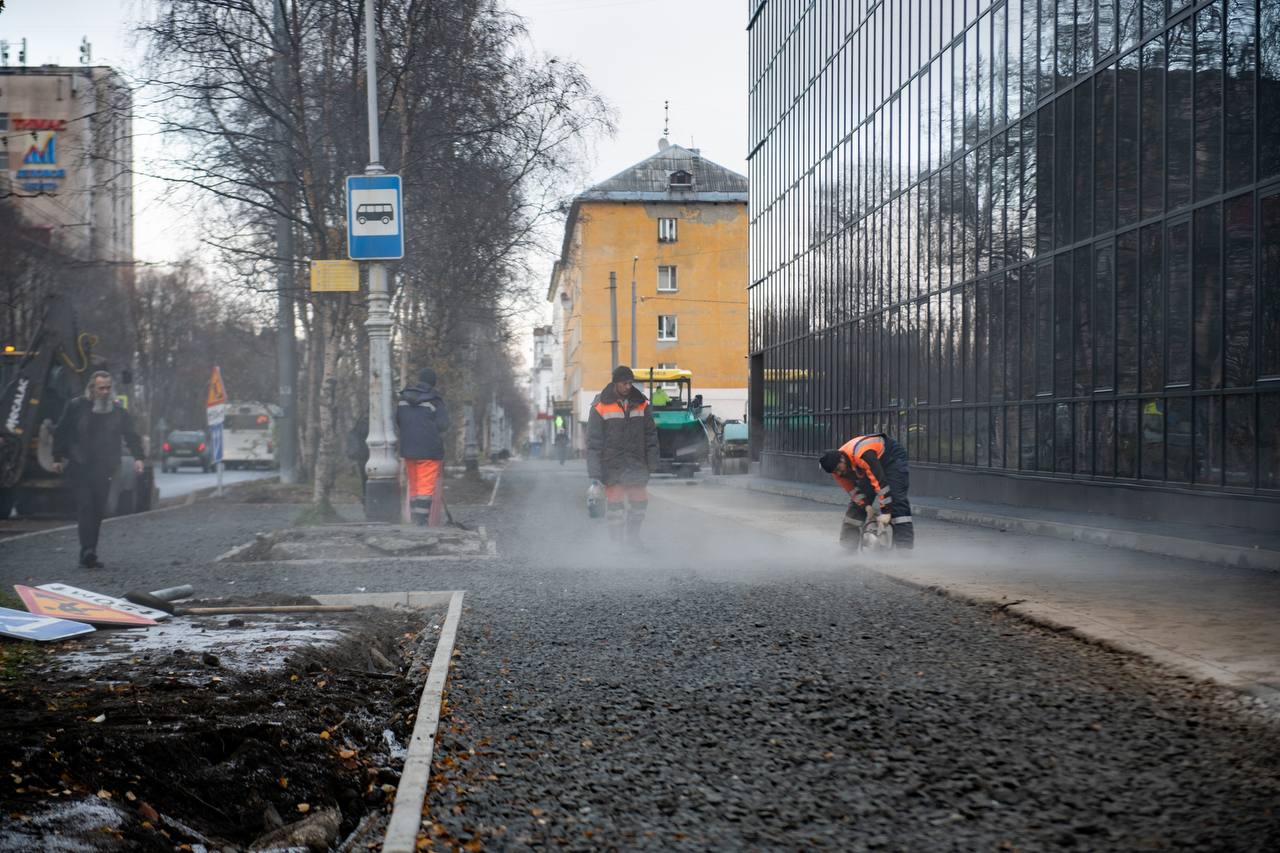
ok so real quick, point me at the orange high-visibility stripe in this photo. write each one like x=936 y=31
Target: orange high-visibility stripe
x=858 y=445
x=609 y=411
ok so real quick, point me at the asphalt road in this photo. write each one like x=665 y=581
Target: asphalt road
x=186 y=480
x=729 y=688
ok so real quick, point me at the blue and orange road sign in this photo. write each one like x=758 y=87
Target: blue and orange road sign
x=43 y=602
x=29 y=626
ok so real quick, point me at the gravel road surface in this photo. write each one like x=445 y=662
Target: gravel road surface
x=733 y=689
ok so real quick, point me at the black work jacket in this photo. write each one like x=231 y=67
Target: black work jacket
x=421 y=417
x=622 y=439
x=71 y=440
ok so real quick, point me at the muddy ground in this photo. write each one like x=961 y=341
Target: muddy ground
x=210 y=731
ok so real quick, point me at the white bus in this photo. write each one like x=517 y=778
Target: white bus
x=248 y=437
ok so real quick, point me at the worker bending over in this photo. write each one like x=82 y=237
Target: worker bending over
x=873 y=470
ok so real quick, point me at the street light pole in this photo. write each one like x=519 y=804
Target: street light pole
x=634 y=361
x=382 y=489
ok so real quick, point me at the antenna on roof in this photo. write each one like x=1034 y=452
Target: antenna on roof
x=666 y=119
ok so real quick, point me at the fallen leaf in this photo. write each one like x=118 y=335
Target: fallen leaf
x=284 y=783
x=346 y=753
x=130 y=796
x=101 y=718
x=324 y=735
x=536 y=812
x=147 y=812
x=104 y=794
x=304 y=807
x=473 y=846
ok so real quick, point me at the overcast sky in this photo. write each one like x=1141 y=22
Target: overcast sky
x=637 y=53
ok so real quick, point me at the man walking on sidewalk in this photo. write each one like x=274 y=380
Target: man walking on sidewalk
x=421 y=417
x=622 y=448
x=86 y=444
x=873 y=470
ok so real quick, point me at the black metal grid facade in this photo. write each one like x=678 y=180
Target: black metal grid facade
x=1026 y=236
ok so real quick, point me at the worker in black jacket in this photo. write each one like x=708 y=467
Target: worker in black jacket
x=622 y=449
x=421 y=418
x=87 y=446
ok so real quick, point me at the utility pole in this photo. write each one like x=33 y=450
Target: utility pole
x=382 y=489
x=613 y=320
x=634 y=358
x=286 y=346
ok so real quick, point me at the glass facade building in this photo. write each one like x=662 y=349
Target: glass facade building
x=1036 y=240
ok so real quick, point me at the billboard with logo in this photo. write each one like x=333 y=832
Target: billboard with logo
x=33 y=152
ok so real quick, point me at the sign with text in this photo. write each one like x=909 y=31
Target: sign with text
x=375 y=218
x=43 y=602
x=335 y=276
x=105 y=600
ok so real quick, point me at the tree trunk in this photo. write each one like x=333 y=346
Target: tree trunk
x=326 y=470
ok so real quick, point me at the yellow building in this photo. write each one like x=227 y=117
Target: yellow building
x=676 y=224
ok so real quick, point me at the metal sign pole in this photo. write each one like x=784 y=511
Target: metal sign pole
x=382 y=489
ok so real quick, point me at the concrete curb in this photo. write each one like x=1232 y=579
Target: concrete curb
x=1132 y=540
x=406 y=814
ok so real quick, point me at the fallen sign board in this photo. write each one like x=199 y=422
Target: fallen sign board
x=103 y=600
x=43 y=602
x=30 y=626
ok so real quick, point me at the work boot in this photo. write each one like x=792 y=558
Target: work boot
x=91 y=561
x=904 y=536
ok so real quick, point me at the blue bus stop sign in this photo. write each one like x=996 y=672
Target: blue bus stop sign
x=375 y=221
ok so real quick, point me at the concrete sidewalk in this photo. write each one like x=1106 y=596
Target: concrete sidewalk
x=1208 y=621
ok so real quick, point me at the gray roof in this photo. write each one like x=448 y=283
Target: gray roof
x=649 y=180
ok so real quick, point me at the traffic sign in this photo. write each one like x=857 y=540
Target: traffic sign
x=43 y=602
x=375 y=218
x=215 y=442
x=101 y=598
x=30 y=626
x=217 y=391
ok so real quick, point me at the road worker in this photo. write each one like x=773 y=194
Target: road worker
x=622 y=449
x=421 y=417
x=873 y=470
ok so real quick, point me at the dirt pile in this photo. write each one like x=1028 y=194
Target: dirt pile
x=226 y=731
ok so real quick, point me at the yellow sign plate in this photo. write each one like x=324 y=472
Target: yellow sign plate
x=217 y=391
x=335 y=276
x=43 y=602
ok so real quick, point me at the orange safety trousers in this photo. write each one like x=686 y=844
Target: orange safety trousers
x=616 y=494
x=424 y=475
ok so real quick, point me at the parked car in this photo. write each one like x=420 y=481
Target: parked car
x=186 y=448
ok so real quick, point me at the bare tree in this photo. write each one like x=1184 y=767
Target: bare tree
x=483 y=137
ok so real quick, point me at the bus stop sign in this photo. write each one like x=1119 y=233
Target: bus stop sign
x=375 y=221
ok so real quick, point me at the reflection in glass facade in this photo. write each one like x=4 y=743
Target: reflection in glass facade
x=1027 y=236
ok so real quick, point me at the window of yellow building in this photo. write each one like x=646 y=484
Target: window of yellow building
x=667 y=279
x=666 y=230
x=666 y=327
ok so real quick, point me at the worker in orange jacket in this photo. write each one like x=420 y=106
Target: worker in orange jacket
x=873 y=470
